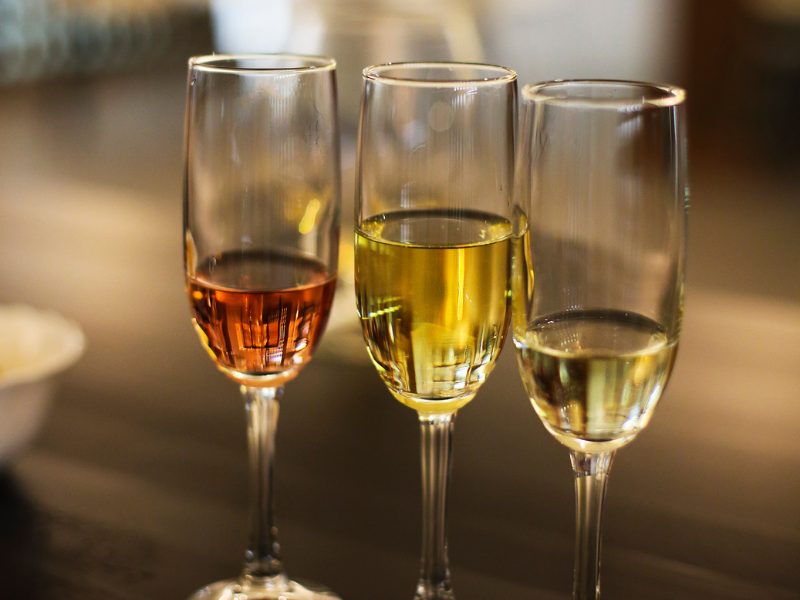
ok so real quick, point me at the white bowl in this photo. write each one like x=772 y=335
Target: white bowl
x=37 y=344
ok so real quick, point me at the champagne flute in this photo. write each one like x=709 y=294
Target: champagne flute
x=600 y=228
x=433 y=253
x=261 y=227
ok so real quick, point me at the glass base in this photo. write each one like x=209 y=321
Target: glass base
x=445 y=594
x=234 y=589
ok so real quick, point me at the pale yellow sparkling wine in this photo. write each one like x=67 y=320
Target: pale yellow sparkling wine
x=595 y=376
x=433 y=290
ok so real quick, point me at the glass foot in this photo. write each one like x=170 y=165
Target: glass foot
x=434 y=592
x=234 y=589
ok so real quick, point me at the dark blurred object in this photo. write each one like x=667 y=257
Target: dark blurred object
x=744 y=68
x=55 y=38
x=22 y=538
x=771 y=57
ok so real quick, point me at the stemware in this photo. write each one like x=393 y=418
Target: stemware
x=261 y=227
x=433 y=253
x=600 y=226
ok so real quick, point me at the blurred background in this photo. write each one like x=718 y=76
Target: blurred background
x=135 y=486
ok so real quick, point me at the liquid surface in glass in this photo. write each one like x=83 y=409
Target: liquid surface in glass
x=260 y=314
x=433 y=296
x=595 y=376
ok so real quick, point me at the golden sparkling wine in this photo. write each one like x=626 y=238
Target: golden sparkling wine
x=595 y=376
x=260 y=314
x=433 y=296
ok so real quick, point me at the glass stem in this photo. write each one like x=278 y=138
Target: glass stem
x=591 y=475
x=263 y=566
x=436 y=442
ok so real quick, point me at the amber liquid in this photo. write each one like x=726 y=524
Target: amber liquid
x=260 y=314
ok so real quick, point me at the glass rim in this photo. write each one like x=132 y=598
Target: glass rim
x=376 y=73
x=215 y=63
x=658 y=95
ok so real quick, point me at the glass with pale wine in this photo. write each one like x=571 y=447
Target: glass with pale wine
x=599 y=253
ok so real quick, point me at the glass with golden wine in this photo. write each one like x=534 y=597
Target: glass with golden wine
x=433 y=253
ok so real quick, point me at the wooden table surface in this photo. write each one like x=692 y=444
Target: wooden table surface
x=135 y=489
